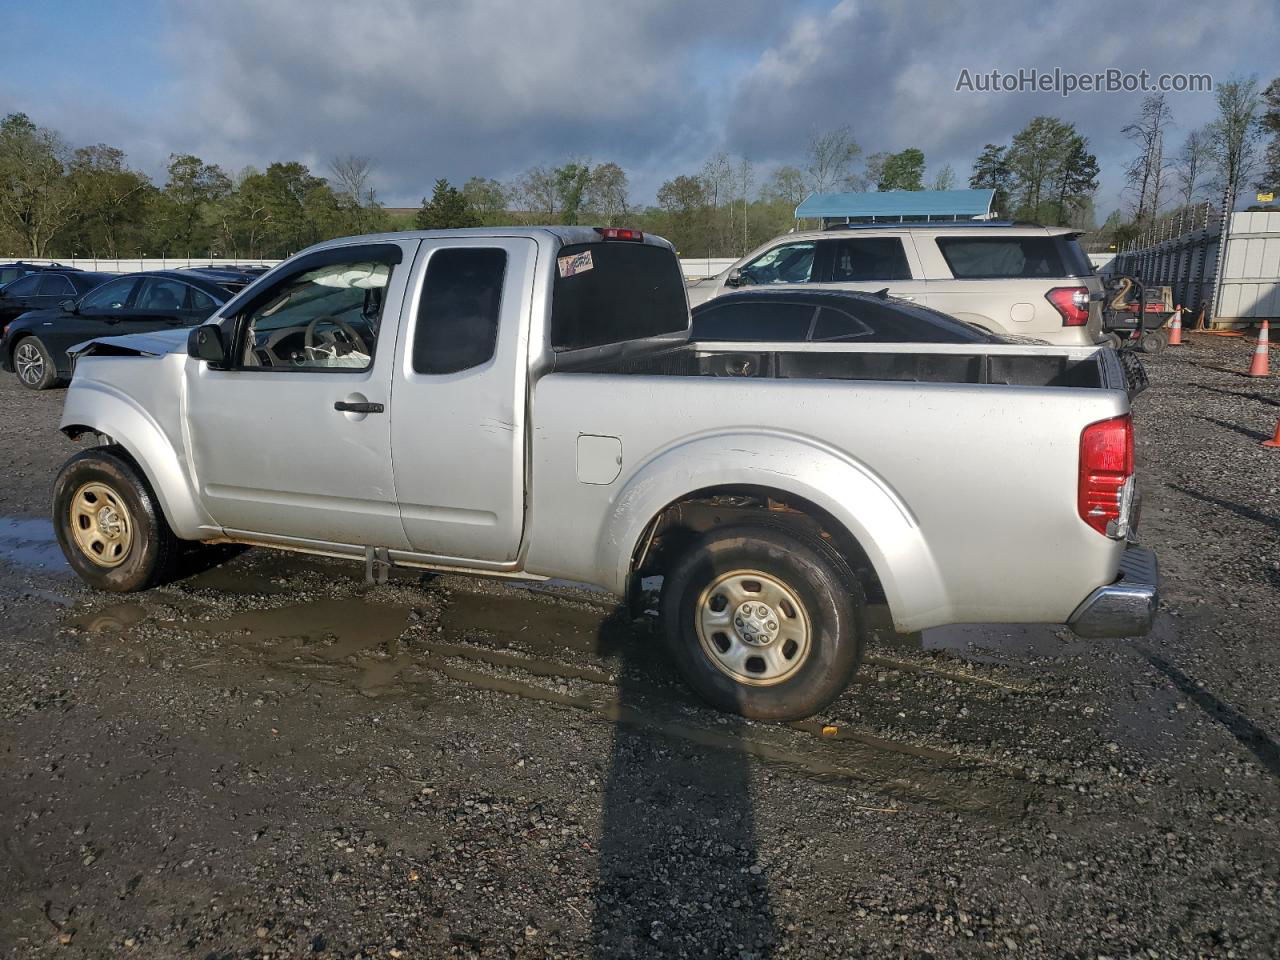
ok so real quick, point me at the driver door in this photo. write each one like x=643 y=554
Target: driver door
x=293 y=441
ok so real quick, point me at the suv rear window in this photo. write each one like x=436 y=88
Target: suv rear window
x=986 y=258
x=614 y=291
x=1077 y=261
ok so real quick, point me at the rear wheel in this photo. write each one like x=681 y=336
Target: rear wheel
x=34 y=364
x=109 y=523
x=1153 y=342
x=764 y=621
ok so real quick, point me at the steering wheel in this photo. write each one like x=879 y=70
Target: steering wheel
x=356 y=341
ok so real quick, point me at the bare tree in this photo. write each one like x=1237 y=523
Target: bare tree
x=355 y=194
x=1234 y=136
x=744 y=177
x=1189 y=165
x=1148 y=172
x=944 y=179
x=831 y=158
x=537 y=191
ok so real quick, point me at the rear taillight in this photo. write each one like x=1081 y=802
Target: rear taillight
x=1106 y=469
x=619 y=233
x=1072 y=303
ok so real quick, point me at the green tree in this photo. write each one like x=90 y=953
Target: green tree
x=897 y=171
x=37 y=199
x=446 y=209
x=111 y=201
x=571 y=182
x=991 y=172
x=1052 y=170
x=488 y=200
x=785 y=187
x=684 y=200
x=183 y=213
x=1234 y=133
x=1270 y=123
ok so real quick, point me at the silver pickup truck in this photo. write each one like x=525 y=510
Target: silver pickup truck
x=526 y=403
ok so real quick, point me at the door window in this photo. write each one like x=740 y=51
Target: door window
x=326 y=318
x=110 y=296
x=869 y=259
x=787 y=263
x=162 y=294
x=56 y=285
x=457 y=323
x=754 y=321
x=25 y=287
x=9 y=274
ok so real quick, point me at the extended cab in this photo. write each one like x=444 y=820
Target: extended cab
x=526 y=403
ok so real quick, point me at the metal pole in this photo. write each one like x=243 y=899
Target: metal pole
x=1224 y=234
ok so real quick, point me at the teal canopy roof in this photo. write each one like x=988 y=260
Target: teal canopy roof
x=914 y=204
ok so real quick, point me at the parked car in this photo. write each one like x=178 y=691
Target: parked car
x=526 y=402
x=35 y=345
x=830 y=316
x=233 y=277
x=1008 y=278
x=10 y=272
x=45 y=289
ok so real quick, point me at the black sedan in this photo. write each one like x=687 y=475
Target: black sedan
x=828 y=316
x=48 y=288
x=35 y=345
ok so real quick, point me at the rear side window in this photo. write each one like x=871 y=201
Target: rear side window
x=615 y=291
x=24 y=286
x=838 y=325
x=869 y=259
x=761 y=320
x=56 y=285
x=457 y=324
x=987 y=258
x=1077 y=261
x=9 y=274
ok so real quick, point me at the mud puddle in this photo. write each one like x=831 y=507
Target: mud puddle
x=30 y=542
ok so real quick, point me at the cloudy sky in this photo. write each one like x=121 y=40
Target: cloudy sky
x=488 y=87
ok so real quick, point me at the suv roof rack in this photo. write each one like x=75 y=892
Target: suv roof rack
x=932 y=224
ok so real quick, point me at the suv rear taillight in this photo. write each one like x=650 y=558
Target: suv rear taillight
x=1072 y=303
x=1105 y=490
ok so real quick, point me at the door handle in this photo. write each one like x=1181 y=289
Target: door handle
x=349 y=406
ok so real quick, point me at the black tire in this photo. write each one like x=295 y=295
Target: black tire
x=833 y=606
x=1153 y=342
x=151 y=551
x=28 y=376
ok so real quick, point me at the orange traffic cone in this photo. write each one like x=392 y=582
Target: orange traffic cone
x=1274 y=441
x=1260 y=367
x=1175 y=329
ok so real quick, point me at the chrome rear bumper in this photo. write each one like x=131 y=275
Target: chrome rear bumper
x=1125 y=608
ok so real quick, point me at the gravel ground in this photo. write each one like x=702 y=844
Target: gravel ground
x=269 y=759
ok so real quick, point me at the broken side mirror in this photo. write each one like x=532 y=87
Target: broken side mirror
x=206 y=343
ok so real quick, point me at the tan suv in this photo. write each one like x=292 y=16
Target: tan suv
x=1007 y=278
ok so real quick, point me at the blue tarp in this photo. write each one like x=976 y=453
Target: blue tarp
x=913 y=204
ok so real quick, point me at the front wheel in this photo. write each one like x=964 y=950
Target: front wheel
x=109 y=523
x=764 y=621
x=1153 y=342
x=33 y=363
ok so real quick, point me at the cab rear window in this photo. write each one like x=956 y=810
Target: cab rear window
x=615 y=291
x=988 y=258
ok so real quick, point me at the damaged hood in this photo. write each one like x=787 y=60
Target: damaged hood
x=154 y=344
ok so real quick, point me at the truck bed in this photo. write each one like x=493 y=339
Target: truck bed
x=1010 y=365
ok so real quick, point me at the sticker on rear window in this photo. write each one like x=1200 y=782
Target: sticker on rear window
x=577 y=263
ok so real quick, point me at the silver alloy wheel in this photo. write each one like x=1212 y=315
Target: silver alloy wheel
x=753 y=627
x=29 y=362
x=101 y=524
